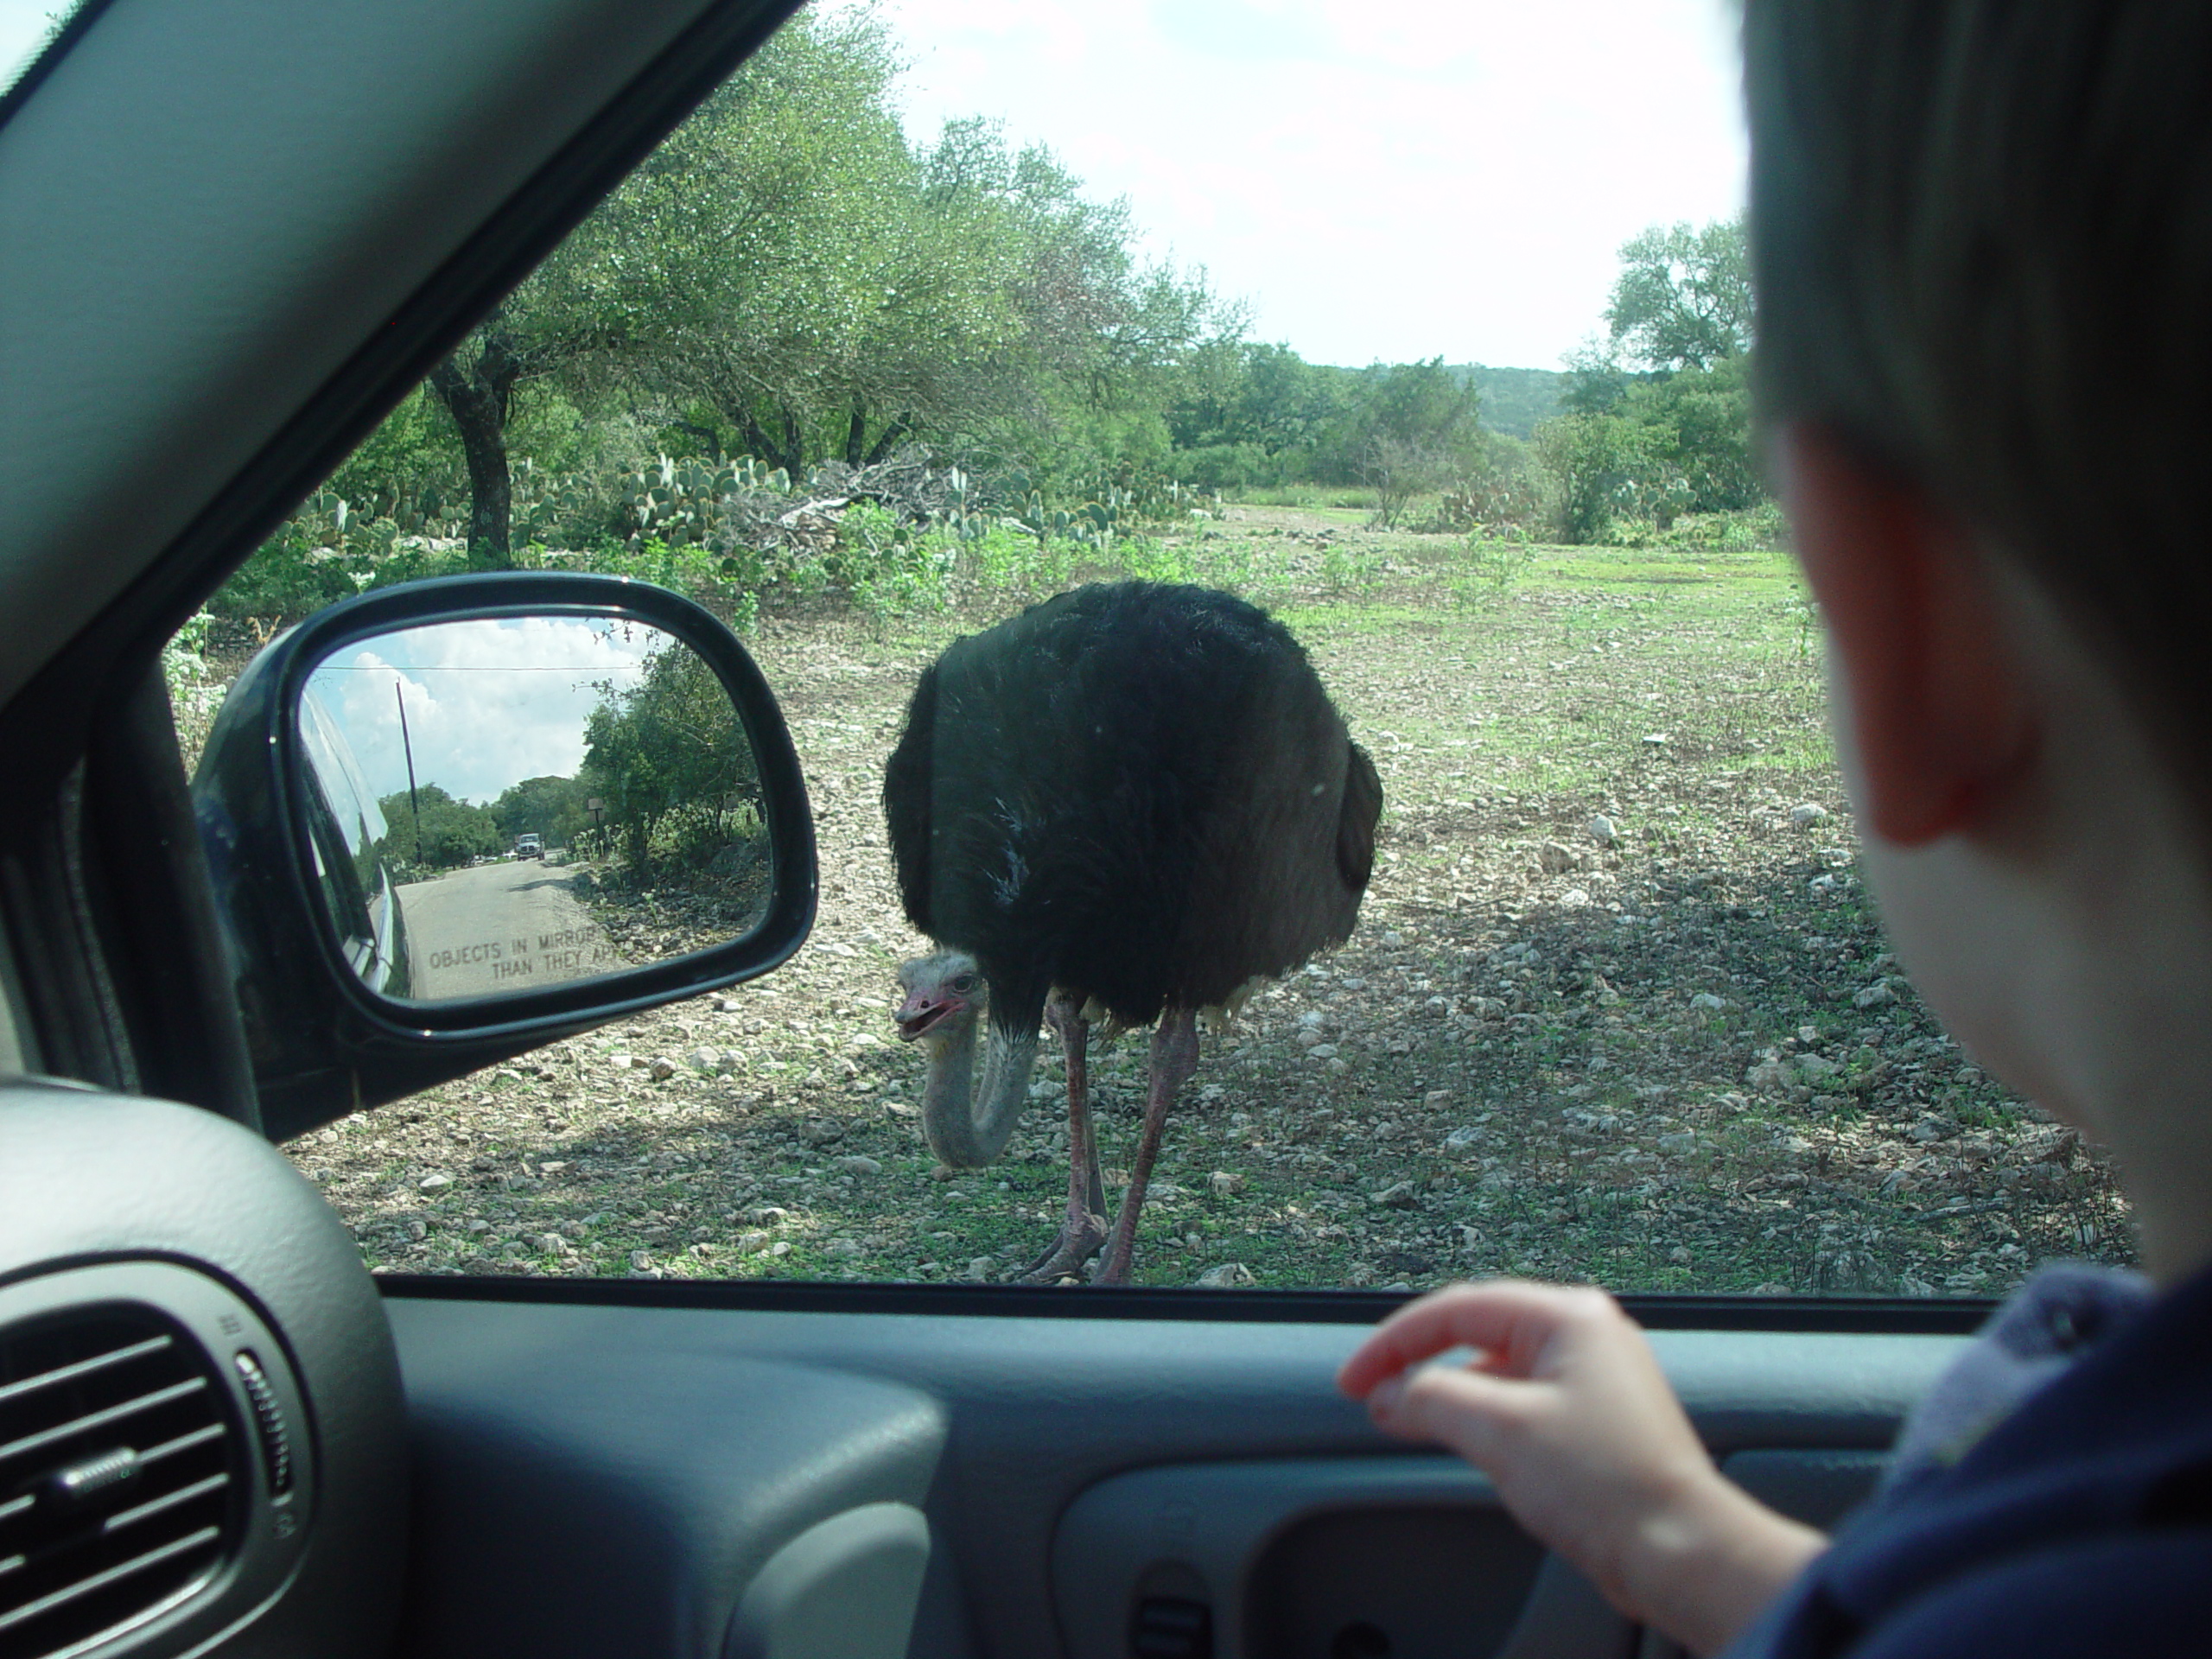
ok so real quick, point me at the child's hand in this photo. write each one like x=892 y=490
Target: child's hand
x=1565 y=1409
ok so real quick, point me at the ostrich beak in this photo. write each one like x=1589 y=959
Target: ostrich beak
x=922 y=1011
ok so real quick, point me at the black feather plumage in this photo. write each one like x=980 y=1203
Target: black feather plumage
x=1139 y=793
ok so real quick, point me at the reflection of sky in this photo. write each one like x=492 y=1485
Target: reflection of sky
x=489 y=703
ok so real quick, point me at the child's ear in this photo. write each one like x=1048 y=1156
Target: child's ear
x=1940 y=714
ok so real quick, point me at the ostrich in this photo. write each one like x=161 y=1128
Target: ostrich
x=1132 y=802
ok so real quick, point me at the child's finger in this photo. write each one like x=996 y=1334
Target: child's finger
x=1464 y=1410
x=1508 y=1317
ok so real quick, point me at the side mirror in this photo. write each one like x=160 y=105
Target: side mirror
x=453 y=820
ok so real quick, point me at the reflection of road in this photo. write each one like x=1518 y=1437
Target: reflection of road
x=500 y=927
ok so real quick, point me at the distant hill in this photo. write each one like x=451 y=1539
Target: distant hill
x=1514 y=400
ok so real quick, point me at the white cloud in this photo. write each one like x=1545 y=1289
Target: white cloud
x=489 y=703
x=1392 y=181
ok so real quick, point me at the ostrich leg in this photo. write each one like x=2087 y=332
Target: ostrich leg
x=1085 y=1229
x=1174 y=1057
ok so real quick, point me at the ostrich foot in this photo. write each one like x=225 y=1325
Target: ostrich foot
x=1076 y=1244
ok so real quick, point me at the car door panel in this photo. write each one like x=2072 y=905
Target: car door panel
x=616 y=1499
x=1011 y=1434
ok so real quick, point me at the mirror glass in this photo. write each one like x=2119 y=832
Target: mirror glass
x=496 y=806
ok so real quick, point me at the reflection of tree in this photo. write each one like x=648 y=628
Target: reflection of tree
x=672 y=765
x=453 y=832
x=550 y=808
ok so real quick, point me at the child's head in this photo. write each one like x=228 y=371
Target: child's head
x=1982 y=243
x=1981 y=236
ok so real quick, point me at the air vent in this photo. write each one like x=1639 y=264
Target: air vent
x=123 y=1481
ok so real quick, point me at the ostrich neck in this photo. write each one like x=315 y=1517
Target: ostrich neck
x=971 y=1135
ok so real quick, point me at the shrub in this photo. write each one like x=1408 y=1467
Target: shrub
x=286 y=578
x=1589 y=463
x=1747 y=530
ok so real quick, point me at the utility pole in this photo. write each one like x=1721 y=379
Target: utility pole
x=414 y=806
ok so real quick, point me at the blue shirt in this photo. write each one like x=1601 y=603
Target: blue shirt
x=2052 y=1495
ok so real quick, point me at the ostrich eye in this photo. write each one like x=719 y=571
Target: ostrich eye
x=964 y=984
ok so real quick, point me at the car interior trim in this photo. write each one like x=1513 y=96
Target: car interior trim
x=1870 y=1315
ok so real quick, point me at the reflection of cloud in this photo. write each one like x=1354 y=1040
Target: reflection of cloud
x=489 y=703
x=1391 y=182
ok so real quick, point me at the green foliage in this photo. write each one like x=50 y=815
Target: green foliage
x=1659 y=418
x=890 y=570
x=1145 y=559
x=1247 y=415
x=788 y=288
x=434 y=831
x=1343 y=497
x=550 y=808
x=1007 y=559
x=684 y=501
x=1501 y=492
x=1747 y=530
x=1415 y=431
x=195 y=692
x=286 y=578
x=1496 y=563
x=1683 y=298
x=1513 y=401
x=1696 y=439
x=672 y=765
x=409 y=470
x=1591 y=462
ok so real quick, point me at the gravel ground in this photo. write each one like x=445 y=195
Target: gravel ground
x=1617 y=1007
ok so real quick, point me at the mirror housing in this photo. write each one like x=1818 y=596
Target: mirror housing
x=324 y=1043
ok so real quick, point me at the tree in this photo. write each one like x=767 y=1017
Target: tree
x=787 y=277
x=476 y=386
x=1099 y=342
x=791 y=268
x=1592 y=462
x=1695 y=427
x=437 y=831
x=1684 y=297
x=734 y=268
x=669 y=752
x=1418 y=430
x=553 y=325
x=551 y=808
x=1659 y=413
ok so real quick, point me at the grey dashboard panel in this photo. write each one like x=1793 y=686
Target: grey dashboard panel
x=1034 y=1412
x=107 y=1200
x=1817 y=1487
x=845 y=1588
x=579 y=1492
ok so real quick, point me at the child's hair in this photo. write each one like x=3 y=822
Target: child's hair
x=1981 y=242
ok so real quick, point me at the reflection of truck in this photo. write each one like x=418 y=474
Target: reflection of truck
x=529 y=847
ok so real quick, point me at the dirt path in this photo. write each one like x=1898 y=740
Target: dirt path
x=500 y=927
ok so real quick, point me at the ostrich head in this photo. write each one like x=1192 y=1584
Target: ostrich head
x=942 y=995
x=968 y=1126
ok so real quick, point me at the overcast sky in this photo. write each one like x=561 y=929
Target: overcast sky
x=1381 y=178
x=488 y=703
